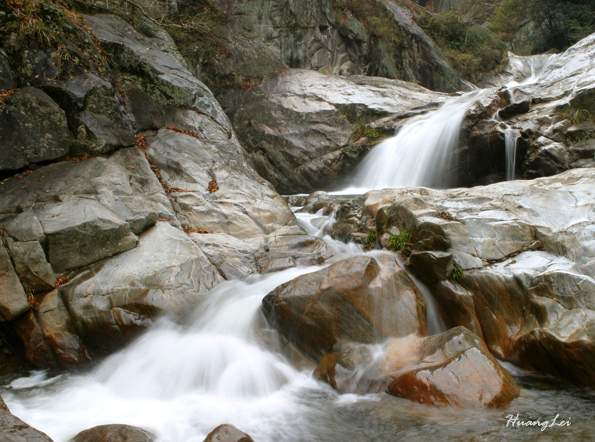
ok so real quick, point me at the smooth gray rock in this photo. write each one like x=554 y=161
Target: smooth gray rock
x=82 y=232
x=113 y=301
x=33 y=129
x=85 y=211
x=13 y=299
x=32 y=267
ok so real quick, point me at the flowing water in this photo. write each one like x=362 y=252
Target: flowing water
x=182 y=380
x=421 y=154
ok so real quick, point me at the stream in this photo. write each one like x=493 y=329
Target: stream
x=182 y=380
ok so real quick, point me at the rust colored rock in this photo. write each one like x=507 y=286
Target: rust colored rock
x=360 y=299
x=456 y=369
x=38 y=351
x=432 y=266
x=114 y=433
x=59 y=331
x=227 y=433
x=450 y=369
x=565 y=349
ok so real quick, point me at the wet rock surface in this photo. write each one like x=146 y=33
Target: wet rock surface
x=12 y=429
x=453 y=368
x=521 y=275
x=114 y=433
x=360 y=299
x=227 y=433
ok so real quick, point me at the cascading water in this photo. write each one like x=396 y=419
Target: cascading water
x=181 y=381
x=511 y=137
x=421 y=154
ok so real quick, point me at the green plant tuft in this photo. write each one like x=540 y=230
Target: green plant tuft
x=457 y=274
x=398 y=242
x=371 y=238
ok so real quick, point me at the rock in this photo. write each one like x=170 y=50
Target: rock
x=113 y=301
x=59 y=332
x=114 y=433
x=301 y=127
x=96 y=114
x=227 y=433
x=12 y=429
x=359 y=299
x=330 y=37
x=32 y=267
x=550 y=106
x=432 y=266
x=33 y=129
x=38 y=351
x=457 y=370
x=82 y=232
x=85 y=211
x=13 y=301
x=452 y=368
x=8 y=78
x=155 y=64
x=524 y=255
x=244 y=206
x=564 y=348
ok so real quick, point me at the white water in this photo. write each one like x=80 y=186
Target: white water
x=511 y=137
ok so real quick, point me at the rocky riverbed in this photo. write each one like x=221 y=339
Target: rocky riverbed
x=150 y=266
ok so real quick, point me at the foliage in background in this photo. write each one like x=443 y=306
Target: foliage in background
x=201 y=42
x=371 y=238
x=29 y=25
x=558 y=23
x=471 y=48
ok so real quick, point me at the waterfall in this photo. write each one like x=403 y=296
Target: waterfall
x=510 y=142
x=420 y=154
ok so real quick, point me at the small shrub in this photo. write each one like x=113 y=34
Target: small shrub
x=457 y=274
x=398 y=242
x=371 y=238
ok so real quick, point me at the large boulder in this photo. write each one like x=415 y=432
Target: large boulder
x=458 y=370
x=362 y=299
x=452 y=368
x=227 y=433
x=114 y=433
x=33 y=129
x=86 y=211
x=113 y=301
x=306 y=131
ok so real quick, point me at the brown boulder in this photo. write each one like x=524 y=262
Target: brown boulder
x=227 y=433
x=114 y=433
x=455 y=369
x=360 y=299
